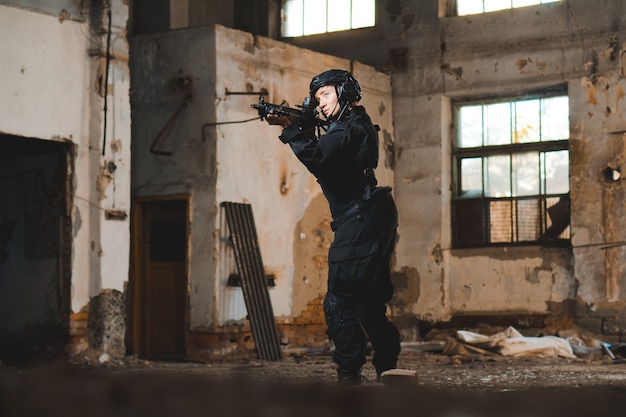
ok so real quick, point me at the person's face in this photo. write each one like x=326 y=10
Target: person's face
x=326 y=96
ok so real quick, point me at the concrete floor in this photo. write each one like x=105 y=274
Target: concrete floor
x=303 y=384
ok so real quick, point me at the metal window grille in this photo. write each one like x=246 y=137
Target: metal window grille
x=490 y=207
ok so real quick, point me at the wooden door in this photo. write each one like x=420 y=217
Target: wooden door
x=160 y=290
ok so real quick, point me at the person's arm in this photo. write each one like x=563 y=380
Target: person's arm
x=317 y=154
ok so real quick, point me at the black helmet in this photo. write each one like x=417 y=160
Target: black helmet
x=348 y=88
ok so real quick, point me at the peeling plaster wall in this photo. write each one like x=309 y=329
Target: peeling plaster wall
x=508 y=52
x=48 y=66
x=101 y=241
x=240 y=162
x=158 y=61
x=435 y=60
x=53 y=74
x=255 y=167
x=528 y=284
x=598 y=202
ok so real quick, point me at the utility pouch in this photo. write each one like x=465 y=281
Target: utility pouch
x=352 y=268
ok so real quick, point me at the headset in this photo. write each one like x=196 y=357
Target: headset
x=349 y=90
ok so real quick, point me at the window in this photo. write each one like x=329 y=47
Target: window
x=511 y=172
x=465 y=7
x=308 y=17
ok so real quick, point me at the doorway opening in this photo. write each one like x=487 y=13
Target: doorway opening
x=159 y=298
x=35 y=247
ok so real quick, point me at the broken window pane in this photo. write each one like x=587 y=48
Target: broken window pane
x=558 y=218
x=512 y=158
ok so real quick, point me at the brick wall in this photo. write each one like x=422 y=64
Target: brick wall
x=305 y=331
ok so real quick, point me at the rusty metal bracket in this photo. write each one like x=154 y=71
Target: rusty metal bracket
x=262 y=92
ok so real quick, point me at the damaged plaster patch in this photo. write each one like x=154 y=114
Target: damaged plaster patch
x=532 y=276
x=437 y=254
x=407 y=21
x=563 y=284
x=605 y=92
x=311 y=240
x=105 y=177
x=116 y=146
x=393 y=9
x=63 y=16
x=100 y=87
x=456 y=72
x=389 y=147
x=250 y=71
x=249 y=46
x=406 y=284
x=521 y=63
x=77 y=221
x=619 y=95
x=467 y=292
x=381 y=109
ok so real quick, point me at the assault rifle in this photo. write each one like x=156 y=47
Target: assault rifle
x=305 y=116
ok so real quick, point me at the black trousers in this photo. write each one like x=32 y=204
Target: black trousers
x=359 y=284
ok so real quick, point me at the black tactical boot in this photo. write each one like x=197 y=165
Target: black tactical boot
x=379 y=373
x=350 y=377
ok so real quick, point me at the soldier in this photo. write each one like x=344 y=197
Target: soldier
x=365 y=220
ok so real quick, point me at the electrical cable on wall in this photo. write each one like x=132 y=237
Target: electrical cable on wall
x=261 y=92
x=229 y=123
x=106 y=80
x=224 y=123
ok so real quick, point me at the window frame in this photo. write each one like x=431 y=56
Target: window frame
x=451 y=7
x=481 y=225
x=326 y=31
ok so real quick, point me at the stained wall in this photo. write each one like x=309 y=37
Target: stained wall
x=223 y=152
x=65 y=81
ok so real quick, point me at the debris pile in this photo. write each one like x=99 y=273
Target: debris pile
x=510 y=342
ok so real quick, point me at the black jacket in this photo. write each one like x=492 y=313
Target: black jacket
x=339 y=158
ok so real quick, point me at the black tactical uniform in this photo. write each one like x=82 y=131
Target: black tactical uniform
x=364 y=221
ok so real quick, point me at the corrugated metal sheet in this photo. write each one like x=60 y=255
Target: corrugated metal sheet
x=231 y=304
x=243 y=235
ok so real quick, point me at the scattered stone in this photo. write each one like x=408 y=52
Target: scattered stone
x=399 y=377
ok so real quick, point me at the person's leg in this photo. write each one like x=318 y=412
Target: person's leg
x=383 y=334
x=348 y=336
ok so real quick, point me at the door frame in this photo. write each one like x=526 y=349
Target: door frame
x=135 y=334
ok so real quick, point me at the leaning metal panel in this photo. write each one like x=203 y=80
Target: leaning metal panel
x=240 y=220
